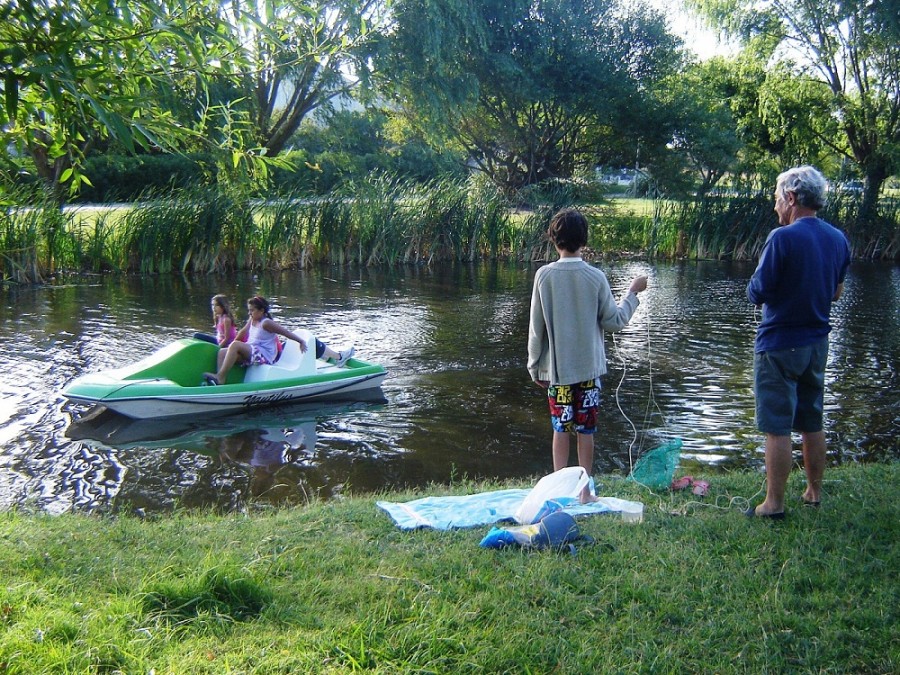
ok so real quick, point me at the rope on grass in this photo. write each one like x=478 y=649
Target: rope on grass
x=742 y=503
x=651 y=402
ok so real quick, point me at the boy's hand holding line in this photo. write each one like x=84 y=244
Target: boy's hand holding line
x=638 y=285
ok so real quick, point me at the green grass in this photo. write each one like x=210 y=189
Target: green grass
x=632 y=206
x=335 y=587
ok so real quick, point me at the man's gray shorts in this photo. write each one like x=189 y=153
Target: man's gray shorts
x=790 y=388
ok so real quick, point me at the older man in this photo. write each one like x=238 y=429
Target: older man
x=800 y=273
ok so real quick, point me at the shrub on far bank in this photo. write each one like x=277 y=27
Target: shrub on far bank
x=126 y=178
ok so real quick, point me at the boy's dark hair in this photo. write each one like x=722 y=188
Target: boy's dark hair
x=568 y=230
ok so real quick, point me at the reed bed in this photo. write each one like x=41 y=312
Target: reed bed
x=878 y=238
x=386 y=220
x=21 y=241
x=712 y=227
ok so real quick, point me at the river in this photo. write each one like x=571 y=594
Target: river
x=457 y=405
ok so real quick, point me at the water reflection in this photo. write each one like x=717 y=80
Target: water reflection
x=226 y=462
x=459 y=401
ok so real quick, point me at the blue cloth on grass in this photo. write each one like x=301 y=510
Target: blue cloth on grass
x=485 y=508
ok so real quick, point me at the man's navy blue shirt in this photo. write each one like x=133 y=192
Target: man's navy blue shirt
x=798 y=274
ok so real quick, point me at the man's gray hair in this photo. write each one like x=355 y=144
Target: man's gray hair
x=807 y=183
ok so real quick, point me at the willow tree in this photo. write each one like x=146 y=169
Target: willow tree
x=298 y=56
x=839 y=74
x=529 y=88
x=705 y=128
x=77 y=74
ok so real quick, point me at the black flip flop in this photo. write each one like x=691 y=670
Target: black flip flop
x=751 y=513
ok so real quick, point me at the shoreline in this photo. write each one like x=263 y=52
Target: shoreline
x=335 y=586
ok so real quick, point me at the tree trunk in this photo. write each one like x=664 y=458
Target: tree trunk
x=876 y=174
x=50 y=172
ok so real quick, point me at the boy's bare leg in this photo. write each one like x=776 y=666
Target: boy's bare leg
x=586 y=461
x=560 y=450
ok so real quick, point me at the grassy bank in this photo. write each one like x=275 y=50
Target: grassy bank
x=335 y=587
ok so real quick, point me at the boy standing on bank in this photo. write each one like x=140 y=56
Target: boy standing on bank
x=571 y=308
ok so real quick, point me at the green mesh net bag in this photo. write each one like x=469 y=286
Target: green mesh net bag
x=657 y=467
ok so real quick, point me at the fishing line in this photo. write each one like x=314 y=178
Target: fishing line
x=651 y=398
x=742 y=503
x=651 y=402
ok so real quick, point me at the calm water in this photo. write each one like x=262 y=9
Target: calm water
x=458 y=402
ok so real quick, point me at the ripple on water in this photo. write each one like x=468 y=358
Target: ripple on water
x=460 y=402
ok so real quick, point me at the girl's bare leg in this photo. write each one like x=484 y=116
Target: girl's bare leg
x=235 y=350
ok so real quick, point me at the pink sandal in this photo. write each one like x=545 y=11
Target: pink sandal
x=701 y=487
x=682 y=483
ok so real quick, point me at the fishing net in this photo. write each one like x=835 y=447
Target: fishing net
x=657 y=467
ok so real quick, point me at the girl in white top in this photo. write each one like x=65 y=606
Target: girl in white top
x=261 y=347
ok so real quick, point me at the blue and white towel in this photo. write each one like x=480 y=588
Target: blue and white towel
x=485 y=508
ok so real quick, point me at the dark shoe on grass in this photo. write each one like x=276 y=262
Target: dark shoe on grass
x=751 y=513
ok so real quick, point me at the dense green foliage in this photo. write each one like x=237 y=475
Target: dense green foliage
x=335 y=587
x=531 y=89
x=130 y=178
x=833 y=78
x=78 y=75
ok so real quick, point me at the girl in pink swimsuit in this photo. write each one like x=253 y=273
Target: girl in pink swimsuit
x=224 y=320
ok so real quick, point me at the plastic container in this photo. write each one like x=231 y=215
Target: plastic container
x=552 y=493
x=633 y=513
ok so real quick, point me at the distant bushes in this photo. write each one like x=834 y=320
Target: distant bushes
x=126 y=178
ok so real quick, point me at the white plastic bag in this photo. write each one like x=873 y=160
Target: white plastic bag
x=552 y=493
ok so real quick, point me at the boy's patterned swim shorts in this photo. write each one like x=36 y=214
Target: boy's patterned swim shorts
x=573 y=407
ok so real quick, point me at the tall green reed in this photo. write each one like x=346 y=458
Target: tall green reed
x=488 y=215
x=331 y=222
x=35 y=239
x=378 y=221
x=874 y=238
x=98 y=250
x=531 y=235
x=20 y=243
x=282 y=227
x=197 y=229
x=713 y=227
x=439 y=213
